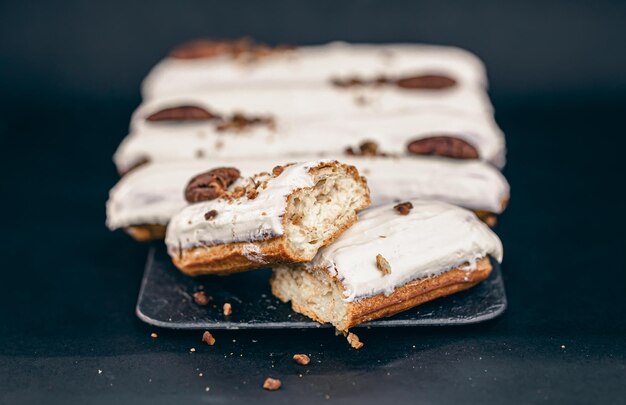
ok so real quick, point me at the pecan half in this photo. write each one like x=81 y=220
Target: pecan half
x=447 y=146
x=207 y=48
x=428 y=82
x=182 y=113
x=211 y=184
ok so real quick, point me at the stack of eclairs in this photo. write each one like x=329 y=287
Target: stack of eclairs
x=366 y=176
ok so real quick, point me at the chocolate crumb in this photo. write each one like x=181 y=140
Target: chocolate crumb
x=354 y=341
x=228 y=309
x=210 y=215
x=301 y=359
x=271 y=384
x=208 y=338
x=383 y=264
x=403 y=208
x=200 y=298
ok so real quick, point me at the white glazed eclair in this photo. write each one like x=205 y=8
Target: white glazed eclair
x=389 y=262
x=394 y=133
x=150 y=195
x=211 y=65
x=236 y=224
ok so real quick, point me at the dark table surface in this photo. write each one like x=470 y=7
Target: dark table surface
x=68 y=331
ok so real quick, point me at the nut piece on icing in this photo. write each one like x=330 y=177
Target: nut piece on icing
x=429 y=82
x=182 y=113
x=403 y=208
x=448 y=146
x=210 y=185
x=383 y=265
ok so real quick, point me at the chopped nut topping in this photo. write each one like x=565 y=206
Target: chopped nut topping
x=252 y=194
x=153 y=335
x=301 y=359
x=276 y=171
x=228 y=309
x=200 y=298
x=208 y=338
x=271 y=384
x=367 y=148
x=383 y=264
x=354 y=341
x=210 y=215
x=424 y=82
x=239 y=122
x=403 y=208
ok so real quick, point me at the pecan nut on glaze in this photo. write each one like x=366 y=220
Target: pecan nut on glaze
x=427 y=82
x=182 y=113
x=210 y=185
x=447 y=146
x=206 y=48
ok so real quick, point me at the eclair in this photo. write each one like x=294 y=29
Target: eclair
x=235 y=224
x=211 y=64
x=418 y=133
x=144 y=200
x=394 y=258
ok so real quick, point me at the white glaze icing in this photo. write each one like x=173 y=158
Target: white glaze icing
x=315 y=65
x=239 y=220
x=320 y=102
x=433 y=238
x=295 y=137
x=153 y=193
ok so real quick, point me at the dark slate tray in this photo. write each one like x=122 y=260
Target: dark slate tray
x=165 y=300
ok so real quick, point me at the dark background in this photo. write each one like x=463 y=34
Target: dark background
x=69 y=79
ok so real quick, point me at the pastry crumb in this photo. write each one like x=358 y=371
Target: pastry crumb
x=301 y=359
x=153 y=335
x=354 y=341
x=192 y=350
x=228 y=309
x=200 y=298
x=208 y=338
x=383 y=264
x=271 y=384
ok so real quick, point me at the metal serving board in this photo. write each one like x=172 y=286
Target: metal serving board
x=166 y=300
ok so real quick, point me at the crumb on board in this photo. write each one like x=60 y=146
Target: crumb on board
x=208 y=338
x=301 y=359
x=271 y=384
x=153 y=335
x=354 y=341
x=228 y=309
